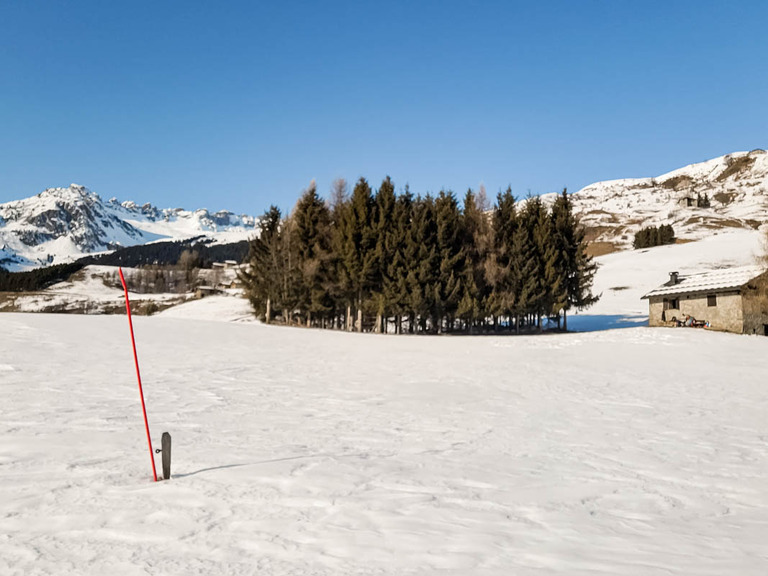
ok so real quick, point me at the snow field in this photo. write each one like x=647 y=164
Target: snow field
x=640 y=451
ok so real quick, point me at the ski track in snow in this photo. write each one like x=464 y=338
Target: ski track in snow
x=638 y=451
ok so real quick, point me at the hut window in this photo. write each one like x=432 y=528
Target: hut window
x=671 y=304
x=711 y=300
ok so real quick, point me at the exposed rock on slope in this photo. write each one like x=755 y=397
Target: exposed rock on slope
x=736 y=186
x=61 y=224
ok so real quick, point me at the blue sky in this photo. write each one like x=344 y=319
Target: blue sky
x=237 y=105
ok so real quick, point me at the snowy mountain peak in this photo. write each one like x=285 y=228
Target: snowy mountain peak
x=61 y=224
x=735 y=185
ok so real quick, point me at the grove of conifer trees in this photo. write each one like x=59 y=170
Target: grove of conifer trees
x=398 y=263
x=651 y=236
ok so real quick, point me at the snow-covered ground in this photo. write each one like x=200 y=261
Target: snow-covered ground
x=85 y=292
x=639 y=451
x=624 y=277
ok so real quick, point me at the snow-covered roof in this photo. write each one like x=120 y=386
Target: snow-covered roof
x=715 y=280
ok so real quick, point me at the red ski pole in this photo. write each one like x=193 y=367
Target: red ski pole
x=138 y=374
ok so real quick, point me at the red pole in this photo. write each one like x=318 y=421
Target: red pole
x=138 y=374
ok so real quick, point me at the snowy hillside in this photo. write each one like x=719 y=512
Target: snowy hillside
x=62 y=224
x=736 y=185
x=622 y=278
x=628 y=452
x=87 y=292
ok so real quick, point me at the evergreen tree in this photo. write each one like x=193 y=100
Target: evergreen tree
x=501 y=270
x=553 y=282
x=340 y=288
x=263 y=278
x=358 y=246
x=533 y=293
x=396 y=285
x=452 y=254
x=641 y=239
x=477 y=245
x=386 y=247
x=290 y=273
x=567 y=243
x=312 y=221
x=580 y=268
x=424 y=271
x=666 y=234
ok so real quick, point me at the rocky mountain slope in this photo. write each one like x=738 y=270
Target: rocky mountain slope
x=736 y=186
x=62 y=224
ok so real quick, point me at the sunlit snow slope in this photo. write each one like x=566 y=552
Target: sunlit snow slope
x=624 y=277
x=735 y=184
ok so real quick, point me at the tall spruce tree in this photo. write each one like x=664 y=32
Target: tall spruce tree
x=423 y=275
x=312 y=221
x=341 y=289
x=263 y=276
x=553 y=283
x=502 y=269
x=396 y=268
x=577 y=268
x=291 y=279
x=452 y=253
x=563 y=240
x=271 y=278
x=528 y=263
x=476 y=240
x=358 y=245
x=386 y=246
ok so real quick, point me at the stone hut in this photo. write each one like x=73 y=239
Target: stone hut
x=203 y=291
x=731 y=300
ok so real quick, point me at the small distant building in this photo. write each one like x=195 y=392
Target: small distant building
x=228 y=284
x=203 y=291
x=688 y=201
x=218 y=265
x=230 y=264
x=731 y=300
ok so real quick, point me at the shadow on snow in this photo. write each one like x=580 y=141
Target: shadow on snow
x=596 y=322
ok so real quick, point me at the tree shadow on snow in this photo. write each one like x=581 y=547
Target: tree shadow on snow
x=596 y=322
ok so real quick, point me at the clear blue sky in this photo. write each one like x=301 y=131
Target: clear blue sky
x=236 y=105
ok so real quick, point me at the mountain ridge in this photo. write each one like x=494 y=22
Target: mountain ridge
x=62 y=224
x=736 y=186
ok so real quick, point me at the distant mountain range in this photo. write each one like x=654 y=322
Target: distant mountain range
x=62 y=224
x=736 y=186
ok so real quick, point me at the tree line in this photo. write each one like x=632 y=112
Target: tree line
x=37 y=279
x=385 y=262
x=166 y=266
x=652 y=236
x=169 y=253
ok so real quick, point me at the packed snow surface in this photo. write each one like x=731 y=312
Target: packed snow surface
x=640 y=451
